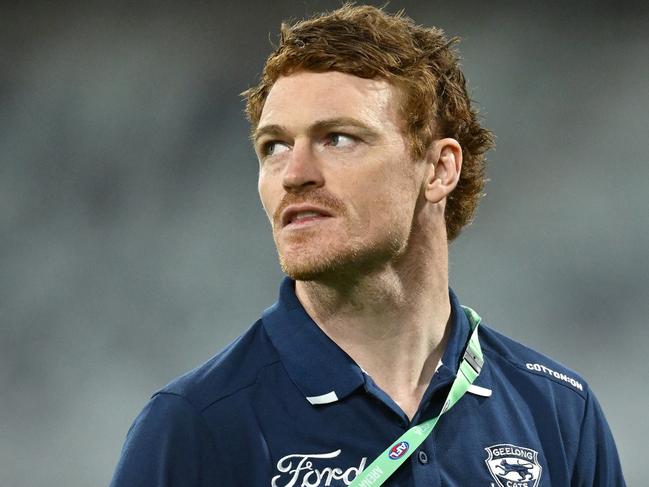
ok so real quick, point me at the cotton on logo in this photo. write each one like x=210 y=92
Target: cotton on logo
x=398 y=450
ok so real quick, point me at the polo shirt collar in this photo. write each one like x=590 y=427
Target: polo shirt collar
x=319 y=368
x=457 y=340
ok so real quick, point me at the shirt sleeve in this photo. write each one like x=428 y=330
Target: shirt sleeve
x=168 y=445
x=598 y=464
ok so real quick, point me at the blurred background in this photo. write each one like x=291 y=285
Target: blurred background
x=133 y=246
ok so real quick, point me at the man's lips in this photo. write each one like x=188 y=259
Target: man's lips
x=302 y=213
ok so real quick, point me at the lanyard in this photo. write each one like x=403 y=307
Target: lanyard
x=398 y=452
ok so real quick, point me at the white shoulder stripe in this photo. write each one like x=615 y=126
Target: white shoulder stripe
x=323 y=399
x=479 y=391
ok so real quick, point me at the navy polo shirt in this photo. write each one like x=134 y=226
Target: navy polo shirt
x=284 y=406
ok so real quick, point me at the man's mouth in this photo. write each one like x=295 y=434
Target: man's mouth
x=296 y=215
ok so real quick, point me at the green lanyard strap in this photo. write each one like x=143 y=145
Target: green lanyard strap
x=398 y=452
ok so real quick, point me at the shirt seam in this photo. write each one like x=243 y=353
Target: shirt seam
x=236 y=391
x=198 y=413
x=581 y=437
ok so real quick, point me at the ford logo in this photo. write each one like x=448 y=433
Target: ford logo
x=398 y=450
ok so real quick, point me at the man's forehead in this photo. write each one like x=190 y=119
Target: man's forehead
x=317 y=96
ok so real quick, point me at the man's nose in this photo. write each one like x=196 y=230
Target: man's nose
x=303 y=169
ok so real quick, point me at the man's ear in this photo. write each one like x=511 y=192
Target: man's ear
x=445 y=158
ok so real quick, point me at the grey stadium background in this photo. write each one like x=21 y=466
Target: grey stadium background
x=133 y=246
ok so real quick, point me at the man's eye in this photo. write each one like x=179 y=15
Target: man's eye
x=273 y=147
x=340 y=140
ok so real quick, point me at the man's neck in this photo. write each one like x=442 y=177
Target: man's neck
x=393 y=323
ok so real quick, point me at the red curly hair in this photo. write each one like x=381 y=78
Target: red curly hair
x=368 y=42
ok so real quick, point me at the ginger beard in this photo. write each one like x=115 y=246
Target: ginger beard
x=340 y=249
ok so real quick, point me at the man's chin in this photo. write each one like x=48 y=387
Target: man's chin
x=332 y=264
x=330 y=268
x=307 y=265
x=306 y=271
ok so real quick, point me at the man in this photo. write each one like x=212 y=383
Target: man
x=371 y=161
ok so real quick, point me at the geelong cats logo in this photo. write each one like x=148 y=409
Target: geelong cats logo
x=513 y=466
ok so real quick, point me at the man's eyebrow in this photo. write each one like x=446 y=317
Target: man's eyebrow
x=272 y=130
x=332 y=123
x=319 y=126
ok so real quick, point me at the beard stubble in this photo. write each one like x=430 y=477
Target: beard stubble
x=342 y=261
